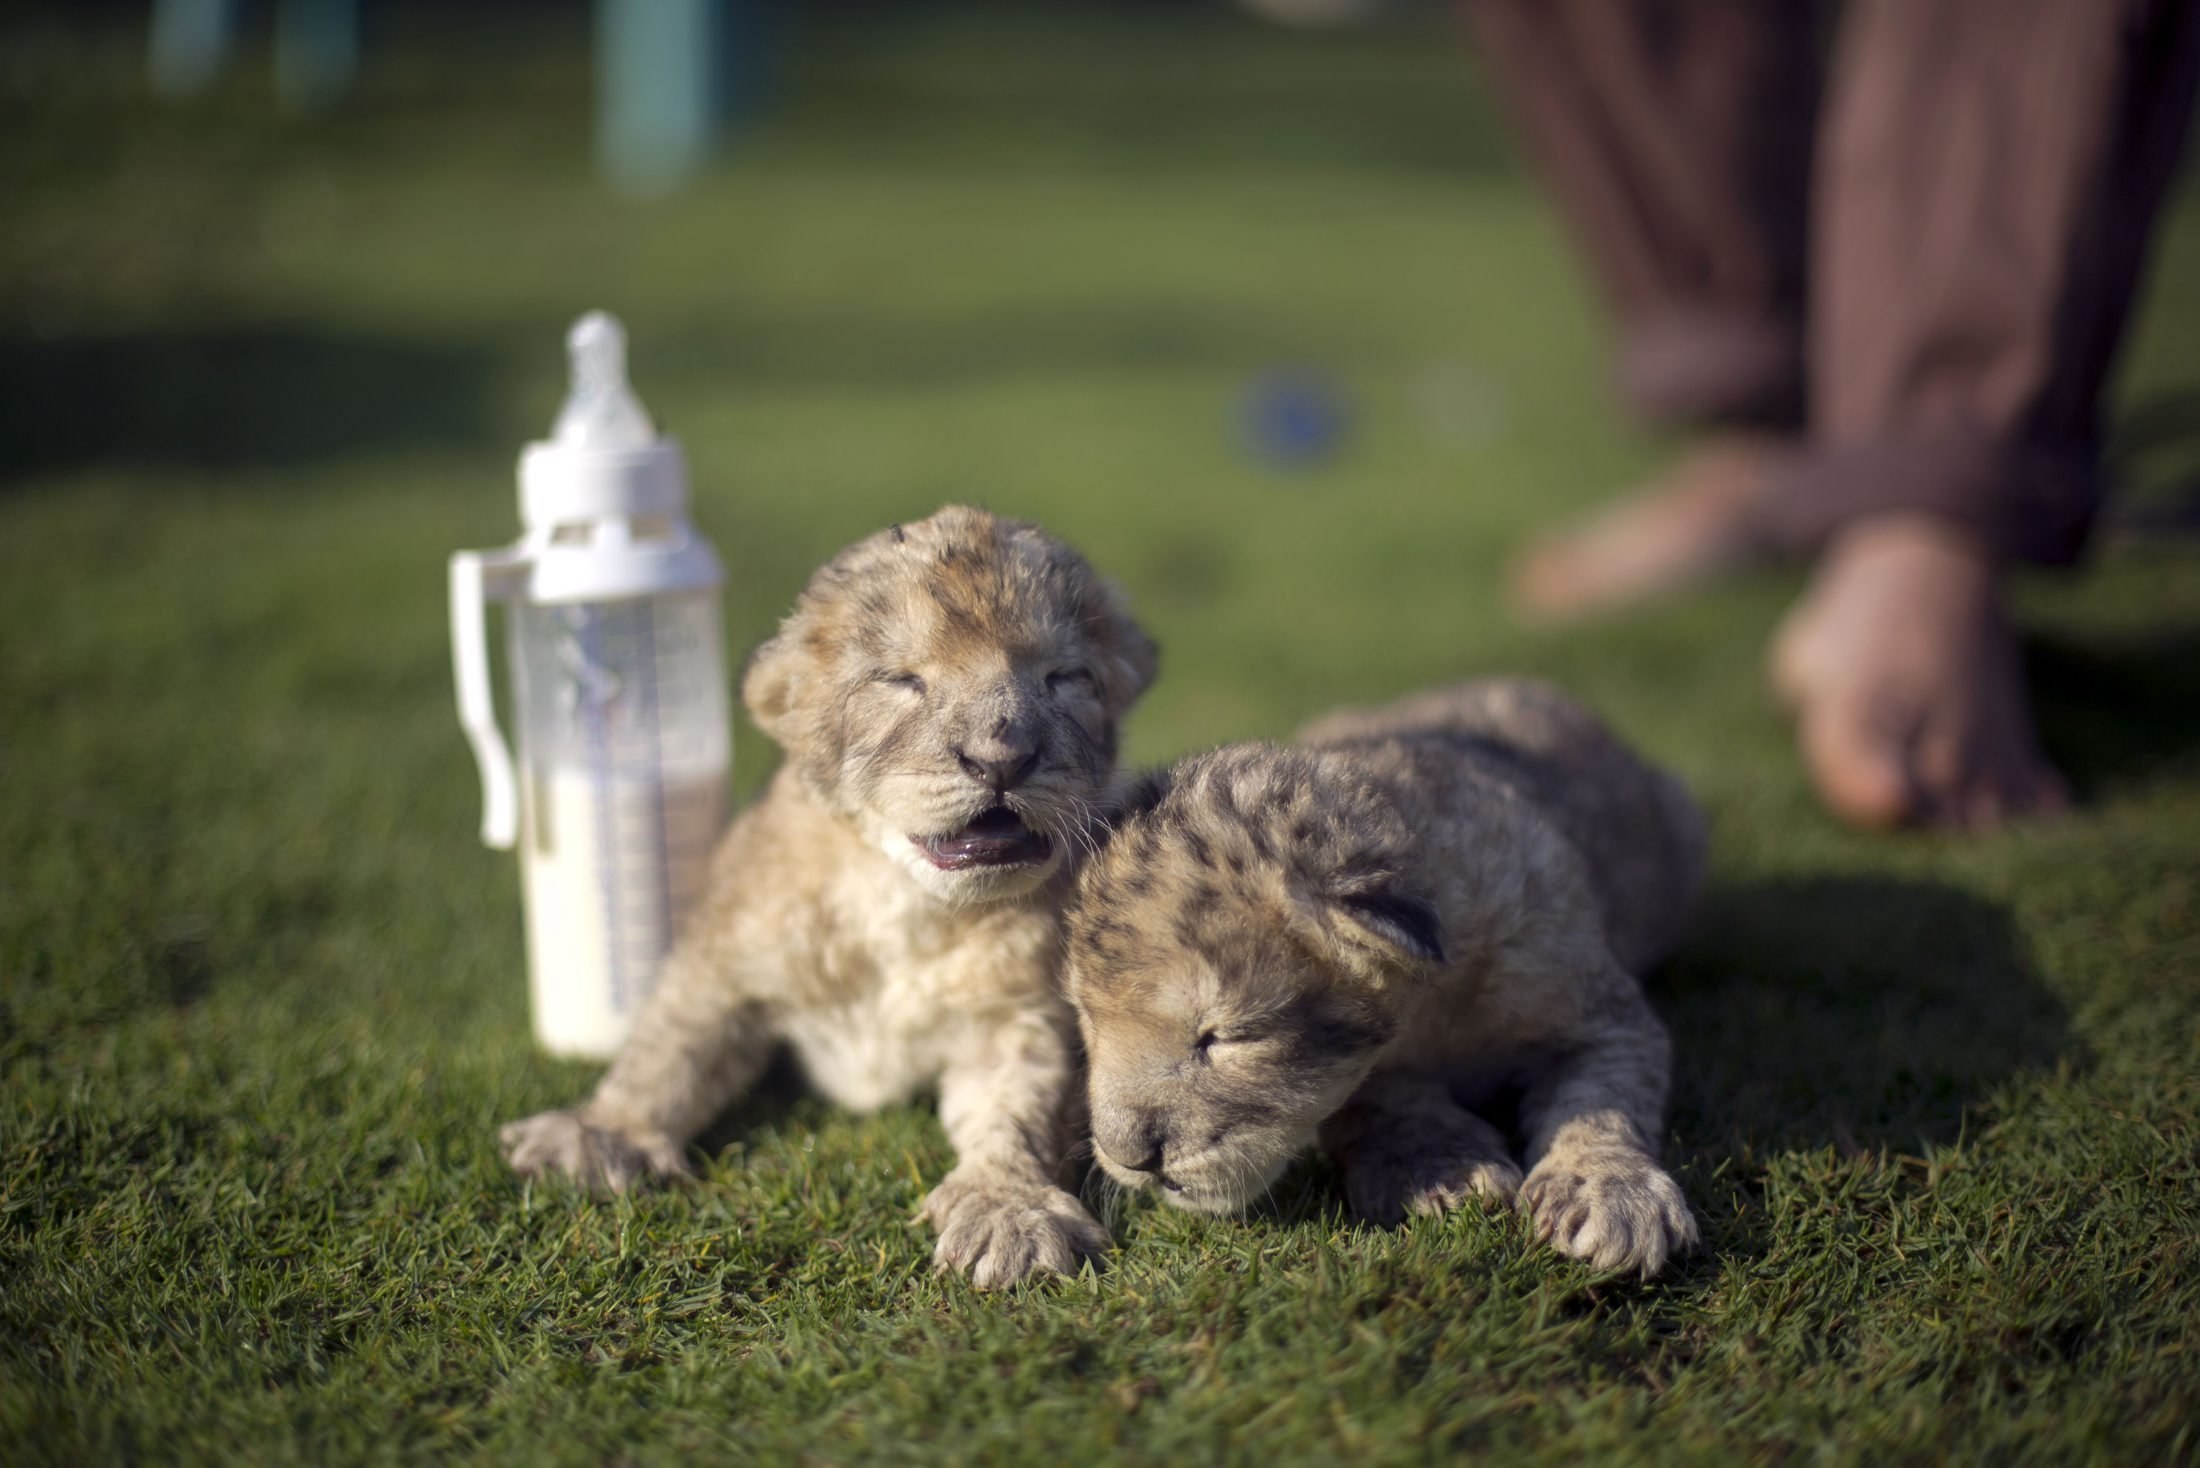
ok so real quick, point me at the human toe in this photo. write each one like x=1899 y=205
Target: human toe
x=1860 y=765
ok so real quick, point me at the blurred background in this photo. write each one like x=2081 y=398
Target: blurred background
x=1051 y=259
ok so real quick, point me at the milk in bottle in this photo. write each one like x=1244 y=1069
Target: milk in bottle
x=618 y=687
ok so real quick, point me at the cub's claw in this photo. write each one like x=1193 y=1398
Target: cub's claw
x=1384 y=1187
x=1616 y=1210
x=600 y=1158
x=998 y=1230
x=1420 y=1159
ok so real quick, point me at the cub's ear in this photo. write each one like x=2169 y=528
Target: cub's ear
x=770 y=683
x=1132 y=658
x=1404 y=928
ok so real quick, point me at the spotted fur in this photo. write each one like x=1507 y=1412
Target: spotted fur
x=925 y=675
x=1361 y=940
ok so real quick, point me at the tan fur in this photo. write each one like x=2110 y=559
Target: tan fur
x=1360 y=940
x=917 y=666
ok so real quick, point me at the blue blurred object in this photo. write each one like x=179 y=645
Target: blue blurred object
x=1293 y=418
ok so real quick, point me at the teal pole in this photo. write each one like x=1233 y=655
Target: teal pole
x=316 y=51
x=659 y=79
x=190 y=41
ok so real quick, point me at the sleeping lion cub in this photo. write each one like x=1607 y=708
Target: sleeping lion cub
x=947 y=696
x=1361 y=940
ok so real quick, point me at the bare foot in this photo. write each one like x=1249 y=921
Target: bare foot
x=1906 y=683
x=1693 y=522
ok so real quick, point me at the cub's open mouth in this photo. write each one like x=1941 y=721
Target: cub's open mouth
x=996 y=838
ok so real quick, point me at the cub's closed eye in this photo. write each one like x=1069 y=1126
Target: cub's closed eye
x=1062 y=678
x=909 y=681
x=1209 y=1039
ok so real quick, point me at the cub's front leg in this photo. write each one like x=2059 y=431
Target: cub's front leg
x=1407 y=1147
x=697 y=1044
x=1002 y=1214
x=1594 y=1188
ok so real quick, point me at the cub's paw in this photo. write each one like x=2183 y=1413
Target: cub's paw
x=999 y=1229
x=600 y=1158
x=1384 y=1183
x=1616 y=1209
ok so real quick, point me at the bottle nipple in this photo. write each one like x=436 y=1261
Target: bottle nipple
x=601 y=411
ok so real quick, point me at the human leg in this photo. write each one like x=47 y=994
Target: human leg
x=1986 y=184
x=1676 y=136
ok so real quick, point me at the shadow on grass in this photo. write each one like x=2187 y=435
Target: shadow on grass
x=775 y=1098
x=2153 y=459
x=2114 y=710
x=1864 y=1012
x=246 y=397
x=234 y=397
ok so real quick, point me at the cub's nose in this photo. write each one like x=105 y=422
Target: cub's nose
x=1135 y=1148
x=1002 y=762
x=1151 y=1162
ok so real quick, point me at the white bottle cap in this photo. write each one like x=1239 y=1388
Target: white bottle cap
x=605 y=497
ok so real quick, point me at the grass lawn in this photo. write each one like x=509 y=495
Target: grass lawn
x=261 y=995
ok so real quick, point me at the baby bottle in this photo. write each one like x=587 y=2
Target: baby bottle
x=619 y=694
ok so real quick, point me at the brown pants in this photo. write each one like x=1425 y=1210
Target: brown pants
x=1936 y=295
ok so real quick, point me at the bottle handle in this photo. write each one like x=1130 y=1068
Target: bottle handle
x=476 y=578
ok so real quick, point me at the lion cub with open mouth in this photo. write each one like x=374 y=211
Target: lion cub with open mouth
x=1363 y=939
x=947 y=695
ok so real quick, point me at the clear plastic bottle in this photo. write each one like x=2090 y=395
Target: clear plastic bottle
x=619 y=689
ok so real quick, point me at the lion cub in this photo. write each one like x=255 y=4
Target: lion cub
x=947 y=696
x=1361 y=940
